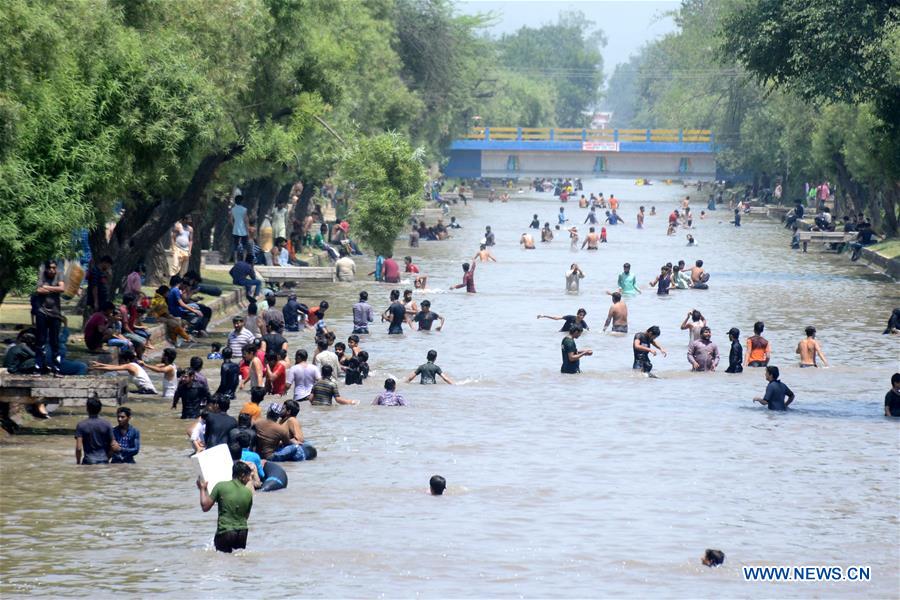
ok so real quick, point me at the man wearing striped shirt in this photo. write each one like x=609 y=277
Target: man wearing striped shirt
x=238 y=338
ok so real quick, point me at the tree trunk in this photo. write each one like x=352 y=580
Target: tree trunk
x=202 y=227
x=857 y=194
x=875 y=215
x=306 y=196
x=158 y=264
x=222 y=240
x=889 y=199
x=142 y=227
x=252 y=190
x=3 y=293
x=267 y=195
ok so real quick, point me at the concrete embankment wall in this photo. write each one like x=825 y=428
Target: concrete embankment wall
x=870 y=258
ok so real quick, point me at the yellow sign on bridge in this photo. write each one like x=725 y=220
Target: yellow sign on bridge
x=553 y=134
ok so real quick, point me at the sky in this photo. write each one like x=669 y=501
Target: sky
x=628 y=24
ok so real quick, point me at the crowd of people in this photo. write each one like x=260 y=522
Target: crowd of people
x=702 y=352
x=256 y=360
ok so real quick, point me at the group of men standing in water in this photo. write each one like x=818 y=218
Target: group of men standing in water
x=702 y=353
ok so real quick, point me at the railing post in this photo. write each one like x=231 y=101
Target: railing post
x=487 y=134
x=649 y=139
x=518 y=134
x=681 y=135
x=616 y=135
x=552 y=136
x=583 y=134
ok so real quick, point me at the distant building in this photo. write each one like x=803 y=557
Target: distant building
x=601 y=120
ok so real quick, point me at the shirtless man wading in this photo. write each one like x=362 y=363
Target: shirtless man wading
x=526 y=241
x=809 y=348
x=618 y=315
x=592 y=241
x=484 y=255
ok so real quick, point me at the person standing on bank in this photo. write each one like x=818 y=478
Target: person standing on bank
x=571 y=356
x=235 y=501
x=48 y=318
x=240 y=229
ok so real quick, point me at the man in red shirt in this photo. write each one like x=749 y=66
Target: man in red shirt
x=316 y=313
x=391 y=270
x=276 y=376
x=468 y=281
x=411 y=268
x=673 y=218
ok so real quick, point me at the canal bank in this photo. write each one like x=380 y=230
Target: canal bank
x=883 y=257
x=553 y=480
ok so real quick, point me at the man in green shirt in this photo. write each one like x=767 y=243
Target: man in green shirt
x=429 y=371
x=627 y=282
x=235 y=501
x=571 y=356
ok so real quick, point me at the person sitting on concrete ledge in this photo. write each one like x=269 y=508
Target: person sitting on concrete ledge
x=98 y=330
x=242 y=274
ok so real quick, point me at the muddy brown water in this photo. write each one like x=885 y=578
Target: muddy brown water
x=596 y=485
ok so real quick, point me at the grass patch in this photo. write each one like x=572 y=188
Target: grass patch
x=889 y=248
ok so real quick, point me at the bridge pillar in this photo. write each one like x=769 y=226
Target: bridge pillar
x=649 y=136
x=487 y=134
x=615 y=135
x=518 y=134
x=681 y=135
x=583 y=135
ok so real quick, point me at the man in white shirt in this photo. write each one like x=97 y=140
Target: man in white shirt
x=240 y=336
x=345 y=268
x=303 y=376
x=324 y=356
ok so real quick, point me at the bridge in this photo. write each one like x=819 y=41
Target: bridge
x=504 y=152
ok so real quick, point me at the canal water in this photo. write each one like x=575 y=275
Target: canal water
x=596 y=485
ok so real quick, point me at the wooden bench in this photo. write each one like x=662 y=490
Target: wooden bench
x=826 y=237
x=282 y=275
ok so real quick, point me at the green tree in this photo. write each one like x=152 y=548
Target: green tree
x=565 y=55
x=620 y=96
x=446 y=64
x=843 y=54
x=86 y=120
x=386 y=178
x=521 y=101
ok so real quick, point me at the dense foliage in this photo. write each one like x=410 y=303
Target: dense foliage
x=387 y=179
x=160 y=107
x=801 y=89
x=564 y=58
